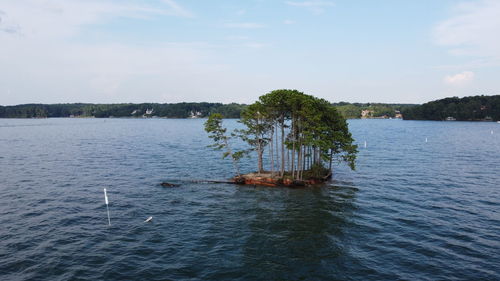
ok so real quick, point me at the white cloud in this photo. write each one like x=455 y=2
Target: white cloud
x=288 y=22
x=244 y=25
x=178 y=10
x=472 y=30
x=459 y=79
x=315 y=6
x=45 y=58
x=60 y=18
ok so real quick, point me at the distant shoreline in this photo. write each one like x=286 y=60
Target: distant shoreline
x=473 y=108
x=188 y=118
x=176 y=110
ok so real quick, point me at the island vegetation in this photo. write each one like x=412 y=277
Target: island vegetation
x=302 y=136
x=474 y=108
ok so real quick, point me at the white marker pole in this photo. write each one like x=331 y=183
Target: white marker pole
x=365 y=144
x=107 y=208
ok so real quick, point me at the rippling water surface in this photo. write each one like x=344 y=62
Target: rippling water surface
x=414 y=210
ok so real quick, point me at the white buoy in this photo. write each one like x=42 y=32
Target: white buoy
x=365 y=144
x=492 y=132
x=149 y=219
x=425 y=139
x=107 y=208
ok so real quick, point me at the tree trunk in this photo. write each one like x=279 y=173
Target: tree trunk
x=282 y=145
x=288 y=160
x=315 y=151
x=259 y=156
x=235 y=164
x=303 y=164
x=308 y=158
x=271 y=152
x=299 y=161
x=260 y=148
x=277 y=150
x=304 y=159
x=293 y=147
x=319 y=155
x=331 y=159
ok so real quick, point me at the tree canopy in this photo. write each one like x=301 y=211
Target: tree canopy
x=302 y=134
x=169 y=110
x=463 y=109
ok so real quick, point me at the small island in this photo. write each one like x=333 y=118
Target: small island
x=297 y=136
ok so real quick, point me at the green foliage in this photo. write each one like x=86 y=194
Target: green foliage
x=349 y=111
x=232 y=110
x=474 y=108
x=213 y=126
x=353 y=110
x=255 y=119
x=290 y=122
x=215 y=130
x=237 y=155
x=175 y=110
x=317 y=170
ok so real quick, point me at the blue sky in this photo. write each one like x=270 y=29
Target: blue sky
x=57 y=51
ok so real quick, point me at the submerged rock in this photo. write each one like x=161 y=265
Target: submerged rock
x=167 y=184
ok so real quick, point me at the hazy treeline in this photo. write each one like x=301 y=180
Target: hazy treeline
x=468 y=108
x=172 y=110
x=168 y=110
x=353 y=110
x=474 y=108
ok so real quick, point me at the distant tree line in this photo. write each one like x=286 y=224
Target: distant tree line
x=172 y=110
x=464 y=109
x=353 y=110
x=475 y=108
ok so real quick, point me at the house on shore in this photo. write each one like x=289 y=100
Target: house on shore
x=366 y=113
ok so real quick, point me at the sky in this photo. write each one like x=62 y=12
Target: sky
x=167 y=51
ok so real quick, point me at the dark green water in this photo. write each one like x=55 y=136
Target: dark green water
x=413 y=210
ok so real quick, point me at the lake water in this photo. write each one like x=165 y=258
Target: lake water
x=413 y=210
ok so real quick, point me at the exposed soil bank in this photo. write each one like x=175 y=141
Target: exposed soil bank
x=268 y=179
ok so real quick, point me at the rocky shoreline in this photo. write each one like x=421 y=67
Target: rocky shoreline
x=269 y=179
